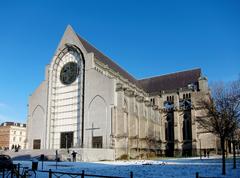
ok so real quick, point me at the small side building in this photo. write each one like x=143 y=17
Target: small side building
x=12 y=135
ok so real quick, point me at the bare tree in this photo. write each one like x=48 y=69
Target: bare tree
x=222 y=112
x=235 y=97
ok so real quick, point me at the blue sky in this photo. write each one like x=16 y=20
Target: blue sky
x=147 y=38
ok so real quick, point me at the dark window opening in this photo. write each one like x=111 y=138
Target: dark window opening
x=97 y=142
x=170 y=127
x=187 y=127
x=152 y=101
x=37 y=144
x=170 y=134
x=66 y=140
x=170 y=99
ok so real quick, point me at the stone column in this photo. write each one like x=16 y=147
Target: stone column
x=147 y=106
x=113 y=126
x=163 y=134
x=139 y=99
x=130 y=126
x=177 y=134
x=119 y=122
x=177 y=127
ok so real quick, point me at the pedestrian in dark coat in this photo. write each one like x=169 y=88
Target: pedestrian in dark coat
x=74 y=154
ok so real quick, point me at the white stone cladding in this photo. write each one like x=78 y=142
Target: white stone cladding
x=37 y=111
x=99 y=100
x=65 y=101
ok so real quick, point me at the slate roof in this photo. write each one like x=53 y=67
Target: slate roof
x=150 y=85
x=171 y=81
x=104 y=59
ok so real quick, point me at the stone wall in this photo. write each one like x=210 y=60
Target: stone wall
x=37 y=110
x=88 y=154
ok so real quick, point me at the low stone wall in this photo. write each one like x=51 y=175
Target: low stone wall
x=83 y=154
x=90 y=154
x=26 y=154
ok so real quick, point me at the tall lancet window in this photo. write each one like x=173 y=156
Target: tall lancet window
x=187 y=126
x=170 y=127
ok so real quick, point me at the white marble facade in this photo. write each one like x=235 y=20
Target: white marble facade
x=103 y=104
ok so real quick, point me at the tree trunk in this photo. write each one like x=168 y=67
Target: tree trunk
x=223 y=156
x=234 y=156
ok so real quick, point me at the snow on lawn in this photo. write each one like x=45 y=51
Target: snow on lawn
x=164 y=168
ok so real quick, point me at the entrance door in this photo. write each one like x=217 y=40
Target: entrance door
x=36 y=144
x=66 y=140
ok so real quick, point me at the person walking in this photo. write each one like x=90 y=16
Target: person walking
x=208 y=153
x=74 y=154
x=205 y=153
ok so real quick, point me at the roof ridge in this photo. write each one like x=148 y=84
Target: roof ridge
x=171 y=73
x=90 y=44
x=99 y=51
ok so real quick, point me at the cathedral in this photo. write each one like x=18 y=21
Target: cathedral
x=89 y=103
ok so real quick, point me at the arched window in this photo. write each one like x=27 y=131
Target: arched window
x=153 y=101
x=170 y=127
x=187 y=126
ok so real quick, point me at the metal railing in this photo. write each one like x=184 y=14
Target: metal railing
x=25 y=172
x=17 y=171
x=52 y=174
x=198 y=176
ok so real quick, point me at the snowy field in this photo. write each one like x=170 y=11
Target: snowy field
x=163 y=168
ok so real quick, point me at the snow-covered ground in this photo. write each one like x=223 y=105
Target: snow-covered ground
x=163 y=168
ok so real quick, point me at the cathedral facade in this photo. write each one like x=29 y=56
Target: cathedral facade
x=89 y=102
